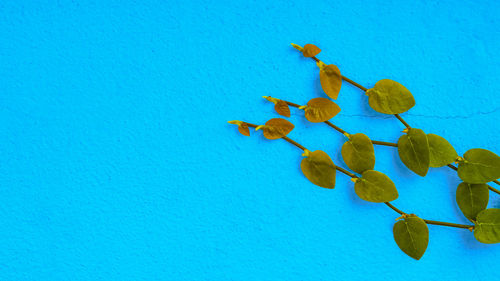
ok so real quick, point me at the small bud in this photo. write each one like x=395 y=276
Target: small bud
x=297 y=47
x=405 y=131
x=347 y=135
x=306 y=153
x=459 y=159
x=354 y=179
x=259 y=127
x=303 y=107
x=320 y=64
x=235 y=122
x=271 y=99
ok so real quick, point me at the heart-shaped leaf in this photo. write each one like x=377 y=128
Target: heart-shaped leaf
x=282 y=108
x=413 y=149
x=244 y=130
x=318 y=167
x=320 y=110
x=441 y=151
x=310 y=50
x=412 y=236
x=390 y=97
x=375 y=187
x=242 y=127
x=276 y=128
x=472 y=199
x=331 y=79
x=358 y=153
x=487 y=228
x=479 y=166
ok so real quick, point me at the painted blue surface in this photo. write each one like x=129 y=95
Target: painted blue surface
x=117 y=162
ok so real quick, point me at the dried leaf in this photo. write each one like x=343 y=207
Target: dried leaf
x=375 y=187
x=243 y=128
x=282 y=108
x=487 y=228
x=331 y=79
x=358 y=153
x=479 y=166
x=472 y=199
x=276 y=128
x=320 y=110
x=412 y=236
x=318 y=167
x=441 y=151
x=310 y=50
x=390 y=97
x=413 y=149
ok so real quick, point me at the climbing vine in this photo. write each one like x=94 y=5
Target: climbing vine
x=418 y=151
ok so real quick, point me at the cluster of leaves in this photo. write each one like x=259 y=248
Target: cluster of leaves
x=417 y=150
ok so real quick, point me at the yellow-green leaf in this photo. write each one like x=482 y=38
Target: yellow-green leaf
x=412 y=236
x=375 y=187
x=276 y=128
x=310 y=50
x=358 y=153
x=472 y=199
x=331 y=80
x=441 y=151
x=487 y=226
x=479 y=166
x=413 y=149
x=320 y=110
x=390 y=97
x=318 y=167
x=282 y=108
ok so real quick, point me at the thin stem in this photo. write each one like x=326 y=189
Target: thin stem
x=251 y=125
x=442 y=223
x=354 y=83
x=493 y=189
x=394 y=208
x=450 y=224
x=335 y=127
x=402 y=121
x=497 y=182
x=340 y=169
x=294 y=142
x=384 y=143
x=292 y=104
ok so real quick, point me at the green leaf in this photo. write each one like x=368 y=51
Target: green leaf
x=472 y=199
x=487 y=228
x=375 y=187
x=318 y=167
x=442 y=153
x=331 y=79
x=390 y=97
x=412 y=236
x=358 y=153
x=479 y=166
x=413 y=149
x=320 y=110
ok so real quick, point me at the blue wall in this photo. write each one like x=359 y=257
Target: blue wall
x=117 y=162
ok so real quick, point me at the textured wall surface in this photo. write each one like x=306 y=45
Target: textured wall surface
x=117 y=162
